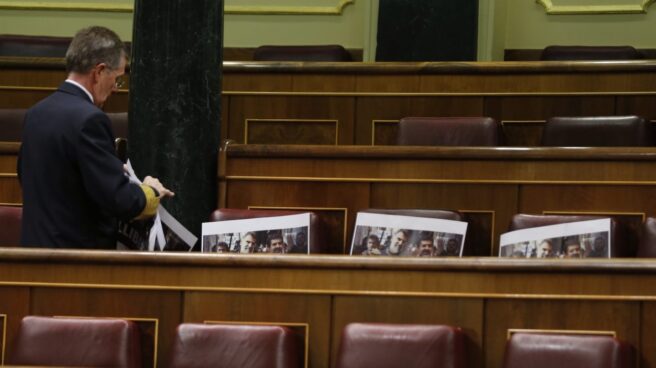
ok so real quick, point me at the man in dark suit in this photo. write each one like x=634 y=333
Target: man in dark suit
x=74 y=187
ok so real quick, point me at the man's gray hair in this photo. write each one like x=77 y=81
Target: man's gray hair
x=92 y=46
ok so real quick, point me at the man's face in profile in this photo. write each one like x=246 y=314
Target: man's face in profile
x=545 y=250
x=425 y=248
x=573 y=251
x=398 y=242
x=452 y=247
x=277 y=246
x=247 y=244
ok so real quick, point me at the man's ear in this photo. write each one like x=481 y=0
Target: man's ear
x=97 y=70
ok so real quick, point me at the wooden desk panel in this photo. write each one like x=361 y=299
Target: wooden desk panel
x=484 y=296
x=493 y=183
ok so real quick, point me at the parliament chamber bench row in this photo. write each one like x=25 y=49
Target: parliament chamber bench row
x=624 y=241
x=103 y=342
x=591 y=131
x=362 y=103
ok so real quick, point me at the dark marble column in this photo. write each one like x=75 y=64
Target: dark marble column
x=427 y=30
x=175 y=101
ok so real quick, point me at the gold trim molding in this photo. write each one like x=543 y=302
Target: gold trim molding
x=512 y=331
x=129 y=7
x=552 y=8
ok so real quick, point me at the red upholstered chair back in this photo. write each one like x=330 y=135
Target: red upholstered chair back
x=620 y=247
x=598 y=131
x=234 y=346
x=119 y=124
x=449 y=131
x=76 y=342
x=11 y=124
x=567 y=351
x=573 y=53
x=393 y=346
x=10 y=223
x=301 y=53
x=647 y=243
x=317 y=244
x=38 y=46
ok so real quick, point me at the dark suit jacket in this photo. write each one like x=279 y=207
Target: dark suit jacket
x=74 y=188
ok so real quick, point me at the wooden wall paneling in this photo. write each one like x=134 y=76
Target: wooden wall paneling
x=225 y=116
x=480 y=233
x=523 y=117
x=117 y=102
x=10 y=190
x=647 y=349
x=377 y=116
x=499 y=201
x=464 y=313
x=292 y=119
x=313 y=310
x=11 y=98
x=327 y=82
x=322 y=197
x=643 y=105
x=256 y=82
x=162 y=307
x=32 y=77
x=387 y=83
x=577 y=315
x=8 y=162
x=14 y=305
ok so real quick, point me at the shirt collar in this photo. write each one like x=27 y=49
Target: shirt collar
x=81 y=87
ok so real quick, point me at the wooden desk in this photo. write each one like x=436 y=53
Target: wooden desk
x=319 y=295
x=361 y=103
x=487 y=184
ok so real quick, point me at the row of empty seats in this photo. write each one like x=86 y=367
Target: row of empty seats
x=93 y=342
x=453 y=131
x=48 y=46
x=585 y=131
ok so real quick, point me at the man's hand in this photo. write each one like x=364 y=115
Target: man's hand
x=155 y=184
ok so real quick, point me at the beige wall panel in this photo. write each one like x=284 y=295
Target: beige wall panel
x=313 y=310
x=501 y=200
x=374 y=113
x=338 y=199
x=15 y=304
x=539 y=29
x=501 y=315
x=161 y=305
x=464 y=313
x=243 y=108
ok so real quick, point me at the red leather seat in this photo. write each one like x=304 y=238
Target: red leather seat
x=598 y=131
x=331 y=53
x=317 y=244
x=647 y=243
x=567 y=351
x=11 y=124
x=397 y=345
x=620 y=247
x=573 y=53
x=119 y=124
x=234 y=346
x=76 y=342
x=10 y=223
x=449 y=131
